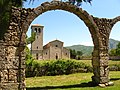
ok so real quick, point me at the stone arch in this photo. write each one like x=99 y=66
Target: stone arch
x=57 y=5
x=13 y=44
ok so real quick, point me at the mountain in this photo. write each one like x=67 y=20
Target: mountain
x=113 y=43
x=87 y=50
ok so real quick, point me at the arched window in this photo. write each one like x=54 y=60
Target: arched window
x=35 y=29
x=56 y=56
x=39 y=30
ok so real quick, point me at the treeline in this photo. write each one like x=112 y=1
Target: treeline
x=75 y=54
x=115 y=52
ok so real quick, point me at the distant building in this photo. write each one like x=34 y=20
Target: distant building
x=52 y=50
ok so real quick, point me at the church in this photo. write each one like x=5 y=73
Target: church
x=52 y=51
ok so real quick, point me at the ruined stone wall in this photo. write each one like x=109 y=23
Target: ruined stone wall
x=12 y=55
x=100 y=53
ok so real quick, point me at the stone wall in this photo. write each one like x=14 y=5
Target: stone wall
x=12 y=56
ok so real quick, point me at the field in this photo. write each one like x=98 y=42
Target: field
x=78 y=81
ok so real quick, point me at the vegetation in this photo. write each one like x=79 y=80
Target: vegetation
x=79 y=2
x=5 y=13
x=87 y=50
x=78 y=81
x=115 y=52
x=60 y=67
x=55 y=67
x=75 y=54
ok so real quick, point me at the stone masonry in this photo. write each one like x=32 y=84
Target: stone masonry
x=12 y=55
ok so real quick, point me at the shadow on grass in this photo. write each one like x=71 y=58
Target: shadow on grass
x=114 y=79
x=82 y=85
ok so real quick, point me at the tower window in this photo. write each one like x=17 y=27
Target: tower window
x=39 y=30
x=37 y=47
x=35 y=29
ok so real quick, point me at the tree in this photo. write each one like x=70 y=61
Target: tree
x=79 y=54
x=72 y=54
x=115 y=52
x=112 y=52
x=79 y=2
x=31 y=39
x=75 y=54
x=118 y=49
x=5 y=13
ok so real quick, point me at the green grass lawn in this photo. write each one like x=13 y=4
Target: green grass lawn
x=111 y=62
x=78 y=81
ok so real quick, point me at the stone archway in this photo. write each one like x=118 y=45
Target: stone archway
x=12 y=56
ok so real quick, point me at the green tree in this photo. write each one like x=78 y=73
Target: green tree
x=79 y=2
x=112 y=52
x=75 y=54
x=72 y=54
x=115 y=52
x=5 y=13
x=118 y=49
x=31 y=39
x=79 y=54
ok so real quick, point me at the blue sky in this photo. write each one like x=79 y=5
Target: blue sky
x=67 y=27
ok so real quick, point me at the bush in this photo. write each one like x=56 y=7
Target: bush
x=60 y=67
x=54 y=67
x=114 y=67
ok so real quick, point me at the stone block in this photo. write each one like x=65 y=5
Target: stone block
x=103 y=63
x=4 y=76
x=104 y=80
x=9 y=86
x=104 y=71
x=13 y=75
x=102 y=85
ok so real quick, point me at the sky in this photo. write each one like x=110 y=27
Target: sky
x=68 y=28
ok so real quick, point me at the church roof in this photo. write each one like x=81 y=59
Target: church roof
x=49 y=44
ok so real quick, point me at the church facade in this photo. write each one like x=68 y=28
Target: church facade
x=51 y=51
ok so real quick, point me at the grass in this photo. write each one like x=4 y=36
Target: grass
x=111 y=62
x=78 y=81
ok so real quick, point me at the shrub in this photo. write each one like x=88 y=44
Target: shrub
x=59 y=67
x=54 y=67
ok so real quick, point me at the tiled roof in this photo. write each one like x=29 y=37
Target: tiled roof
x=36 y=25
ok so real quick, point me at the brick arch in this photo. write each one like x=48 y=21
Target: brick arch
x=12 y=55
x=115 y=20
x=57 y=5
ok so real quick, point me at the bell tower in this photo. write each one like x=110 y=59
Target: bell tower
x=37 y=45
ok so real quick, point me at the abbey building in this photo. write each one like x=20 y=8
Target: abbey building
x=52 y=50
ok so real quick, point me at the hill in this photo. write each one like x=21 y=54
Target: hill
x=87 y=50
x=113 y=43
